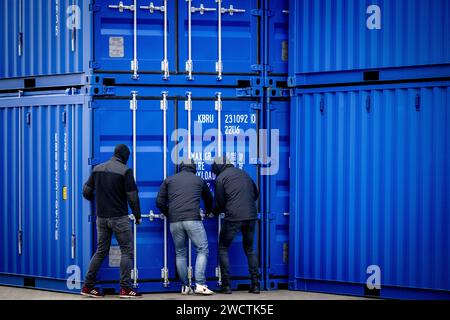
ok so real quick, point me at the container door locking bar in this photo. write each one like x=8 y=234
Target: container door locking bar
x=231 y=11
x=165 y=62
x=133 y=107
x=122 y=7
x=218 y=108
x=188 y=108
x=152 y=216
x=165 y=270
x=201 y=9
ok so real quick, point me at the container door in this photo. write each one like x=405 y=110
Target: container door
x=277 y=36
x=43 y=37
x=278 y=194
x=11 y=38
x=236 y=117
x=120 y=37
x=113 y=125
x=370 y=183
x=215 y=47
x=330 y=36
x=46 y=217
x=11 y=210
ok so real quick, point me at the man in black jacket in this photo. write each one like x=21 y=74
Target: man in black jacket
x=113 y=184
x=235 y=195
x=179 y=200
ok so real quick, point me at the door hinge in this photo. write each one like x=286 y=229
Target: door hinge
x=257 y=12
x=94 y=65
x=257 y=67
x=244 y=92
x=92 y=105
x=94 y=7
x=93 y=161
x=255 y=106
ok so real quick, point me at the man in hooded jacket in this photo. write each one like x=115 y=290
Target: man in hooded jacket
x=235 y=195
x=112 y=183
x=179 y=200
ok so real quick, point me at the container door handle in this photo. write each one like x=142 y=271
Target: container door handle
x=165 y=62
x=122 y=7
x=75 y=23
x=231 y=10
x=202 y=9
x=20 y=35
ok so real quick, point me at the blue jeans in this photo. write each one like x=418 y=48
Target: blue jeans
x=195 y=231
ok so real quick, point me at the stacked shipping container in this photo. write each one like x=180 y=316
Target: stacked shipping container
x=75 y=75
x=369 y=125
x=358 y=191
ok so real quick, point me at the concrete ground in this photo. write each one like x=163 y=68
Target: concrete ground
x=11 y=293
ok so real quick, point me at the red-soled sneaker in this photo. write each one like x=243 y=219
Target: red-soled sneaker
x=129 y=293
x=91 y=292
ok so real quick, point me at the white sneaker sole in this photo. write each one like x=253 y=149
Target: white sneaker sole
x=91 y=295
x=130 y=297
x=202 y=293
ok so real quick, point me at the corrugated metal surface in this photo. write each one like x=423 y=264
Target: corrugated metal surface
x=239 y=30
x=370 y=185
x=42 y=37
x=50 y=140
x=334 y=35
x=45 y=152
x=277 y=45
x=113 y=36
x=52 y=37
x=277 y=196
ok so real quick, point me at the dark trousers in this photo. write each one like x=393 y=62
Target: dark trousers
x=227 y=234
x=121 y=228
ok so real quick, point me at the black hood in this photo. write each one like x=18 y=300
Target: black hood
x=220 y=164
x=188 y=165
x=122 y=153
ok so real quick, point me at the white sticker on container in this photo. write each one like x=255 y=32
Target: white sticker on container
x=114 y=257
x=116 y=47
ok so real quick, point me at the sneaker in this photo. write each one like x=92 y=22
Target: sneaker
x=185 y=290
x=254 y=288
x=129 y=294
x=225 y=290
x=202 y=289
x=91 y=292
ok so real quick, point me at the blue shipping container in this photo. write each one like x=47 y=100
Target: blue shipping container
x=276 y=196
x=335 y=36
x=276 y=37
x=129 y=38
x=370 y=190
x=51 y=141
